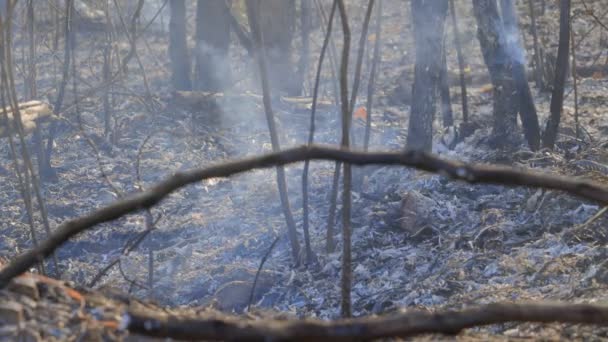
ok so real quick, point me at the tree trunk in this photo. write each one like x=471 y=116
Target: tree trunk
x=305 y=27
x=538 y=74
x=212 y=72
x=178 y=48
x=561 y=72
x=493 y=47
x=253 y=13
x=428 y=18
x=277 y=21
x=527 y=109
x=461 y=64
x=447 y=114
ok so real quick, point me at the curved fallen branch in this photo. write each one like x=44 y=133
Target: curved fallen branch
x=400 y=325
x=415 y=159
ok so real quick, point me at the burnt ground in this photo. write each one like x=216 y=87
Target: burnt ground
x=419 y=240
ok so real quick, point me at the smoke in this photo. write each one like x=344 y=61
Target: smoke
x=510 y=28
x=213 y=68
x=513 y=46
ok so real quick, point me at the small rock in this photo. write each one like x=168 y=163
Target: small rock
x=467 y=129
x=8 y=331
x=532 y=202
x=29 y=335
x=234 y=296
x=601 y=275
x=491 y=216
x=415 y=211
x=11 y=312
x=25 y=286
x=423 y=234
x=489 y=238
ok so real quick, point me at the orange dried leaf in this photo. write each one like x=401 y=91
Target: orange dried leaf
x=360 y=113
x=486 y=88
x=113 y=325
x=75 y=295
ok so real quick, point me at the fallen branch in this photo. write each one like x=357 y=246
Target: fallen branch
x=401 y=325
x=415 y=159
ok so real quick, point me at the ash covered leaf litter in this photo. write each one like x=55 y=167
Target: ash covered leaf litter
x=102 y=102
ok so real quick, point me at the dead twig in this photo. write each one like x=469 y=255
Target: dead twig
x=311 y=135
x=257 y=274
x=372 y=76
x=403 y=325
x=253 y=8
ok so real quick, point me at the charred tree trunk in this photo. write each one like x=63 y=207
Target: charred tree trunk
x=305 y=27
x=45 y=170
x=461 y=64
x=178 y=48
x=538 y=74
x=377 y=56
x=493 y=47
x=447 y=115
x=561 y=72
x=277 y=21
x=428 y=18
x=70 y=37
x=212 y=71
x=253 y=13
x=527 y=109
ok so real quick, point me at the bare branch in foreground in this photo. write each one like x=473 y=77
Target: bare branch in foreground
x=400 y=325
x=415 y=159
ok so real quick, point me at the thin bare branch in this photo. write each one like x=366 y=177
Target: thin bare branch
x=416 y=159
x=403 y=325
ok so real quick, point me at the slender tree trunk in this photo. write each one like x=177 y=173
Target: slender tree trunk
x=428 y=18
x=253 y=11
x=461 y=64
x=575 y=85
x=212 y=71
x=561 y=73
x=69 y=43
x=311 y=135
x=277 y=22
x=538 y=73
x=305 y=27
x=493 y=46
x=372 y=76
x=346 y=109
x=444 y=90
x=107 y=76
x=527 y=108
x=45 y=170
x=178 y=48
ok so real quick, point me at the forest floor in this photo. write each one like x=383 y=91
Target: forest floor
x=419 y=240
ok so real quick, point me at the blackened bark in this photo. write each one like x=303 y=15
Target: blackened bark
x=461 y=64
x=253 y=13
x=538 y=73
x=428 y=18
x=493 y=47
x=277 y=21
x=178 y=49
x=561 y=72
x=305 y=27
x=70 y=37
x=212 y=71
x=527 y=109
x=447 y=114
